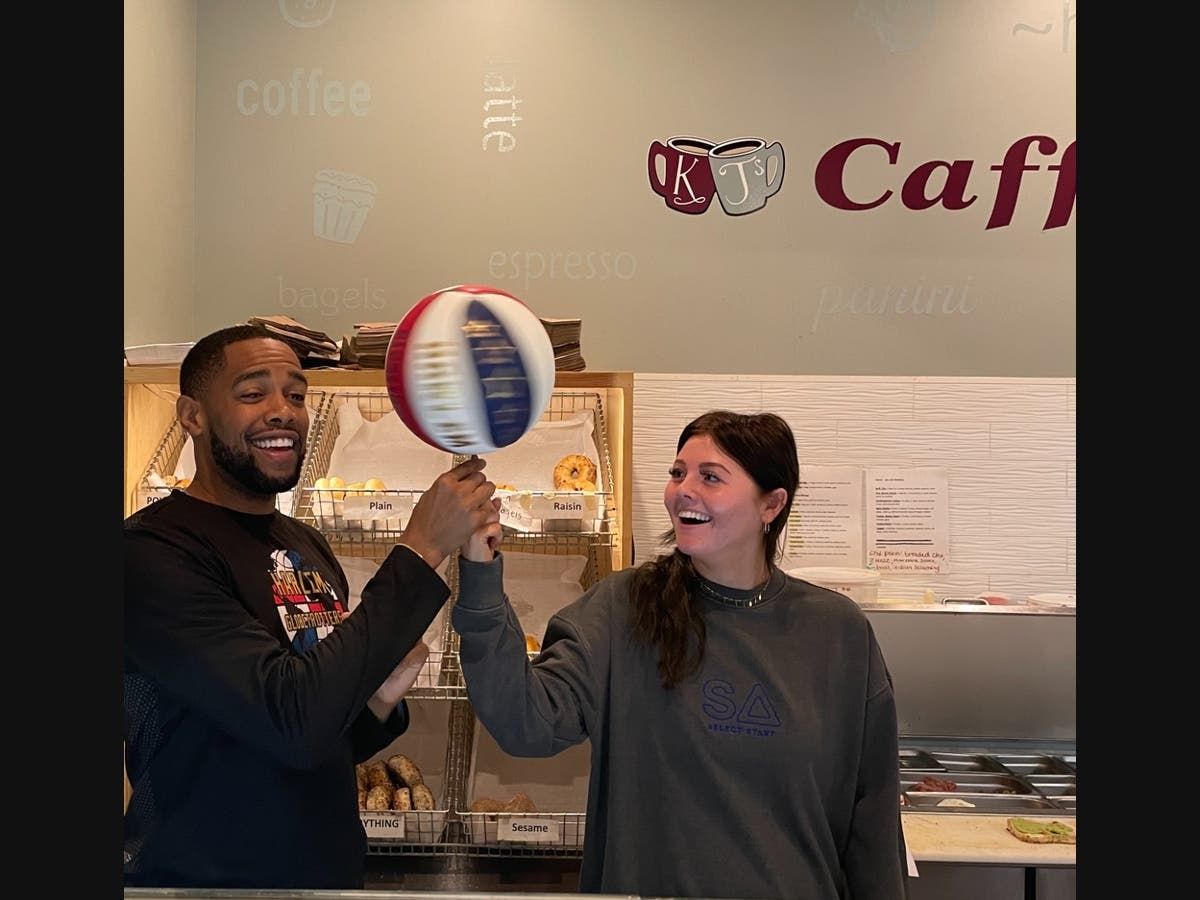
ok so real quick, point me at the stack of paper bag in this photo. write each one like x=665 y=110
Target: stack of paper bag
x=565 y=339
x=367 y=347
x=315 y=348
x=156 y=354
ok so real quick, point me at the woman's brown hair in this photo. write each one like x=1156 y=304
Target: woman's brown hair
x=664 y=613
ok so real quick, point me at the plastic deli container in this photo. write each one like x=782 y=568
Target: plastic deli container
x=860 y=585
x=1056 y=601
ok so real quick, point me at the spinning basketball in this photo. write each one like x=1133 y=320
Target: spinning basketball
x=469 y=369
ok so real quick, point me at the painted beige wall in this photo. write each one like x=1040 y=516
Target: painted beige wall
x=391 y=96
x=160 y=169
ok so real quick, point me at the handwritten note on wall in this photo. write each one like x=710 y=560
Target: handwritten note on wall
x=908 y=520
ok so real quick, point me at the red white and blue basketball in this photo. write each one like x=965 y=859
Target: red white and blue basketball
x=470 y=369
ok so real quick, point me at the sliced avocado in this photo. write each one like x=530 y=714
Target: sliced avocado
x=1032 y=826
x=1029 y=826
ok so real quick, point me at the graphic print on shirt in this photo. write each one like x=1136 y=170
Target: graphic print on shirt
x=731 y=711
x=308 y=605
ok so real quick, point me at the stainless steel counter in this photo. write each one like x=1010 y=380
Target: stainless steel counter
x=982 y=673
x=224 y=894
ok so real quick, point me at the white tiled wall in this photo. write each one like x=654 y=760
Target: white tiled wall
x=1008 y=445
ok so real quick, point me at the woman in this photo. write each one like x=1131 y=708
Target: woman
x=742 y=722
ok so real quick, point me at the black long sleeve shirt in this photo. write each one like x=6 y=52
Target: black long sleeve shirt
x=246 y=682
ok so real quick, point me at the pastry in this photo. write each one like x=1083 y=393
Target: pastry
x=520 y=803
x=405 y=769
x=377 y=776
x=422 y=797
x=575 y=472
x=379 y=797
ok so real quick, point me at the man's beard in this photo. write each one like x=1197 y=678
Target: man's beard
x=241 y=467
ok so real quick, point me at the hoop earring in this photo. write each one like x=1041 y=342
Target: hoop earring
x=766 y=527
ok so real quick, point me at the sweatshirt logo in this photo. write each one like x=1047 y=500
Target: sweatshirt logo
x=308 y=605
x=729 y=713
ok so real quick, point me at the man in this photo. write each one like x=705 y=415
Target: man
x=250 y=691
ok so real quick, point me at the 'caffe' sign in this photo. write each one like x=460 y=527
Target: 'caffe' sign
x=688 y=172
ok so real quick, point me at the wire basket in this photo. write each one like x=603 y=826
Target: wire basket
x=363 y=512
x=411 y=826
x=540 y=833
x=499 y=812
x=354 y=530
x=354 y=514
x=158 y=478
x=425 y=743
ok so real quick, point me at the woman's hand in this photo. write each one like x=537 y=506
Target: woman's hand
x=481 y=546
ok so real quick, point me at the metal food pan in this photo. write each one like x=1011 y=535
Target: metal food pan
x=974 y=783
x=981 y=803
x=970 y=762
x=1033 y=764
x=920 y=761
x=1067 y=803
x=1053 y=785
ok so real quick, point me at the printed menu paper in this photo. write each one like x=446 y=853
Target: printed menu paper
x=825 y=527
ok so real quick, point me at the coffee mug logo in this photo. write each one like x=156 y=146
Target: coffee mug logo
x=738 y=173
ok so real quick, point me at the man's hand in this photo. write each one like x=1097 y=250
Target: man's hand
x=392 y=691
x=454 y=507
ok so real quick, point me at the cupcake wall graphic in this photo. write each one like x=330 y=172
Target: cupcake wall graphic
x=341 y=202
x=688 y=172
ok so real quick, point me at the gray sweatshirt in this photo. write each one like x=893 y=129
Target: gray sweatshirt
x=772 y=772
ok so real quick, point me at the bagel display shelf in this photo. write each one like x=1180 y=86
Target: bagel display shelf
x=325 y=503
x=153 y=443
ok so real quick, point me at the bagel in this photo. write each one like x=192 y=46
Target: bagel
x=575 y=472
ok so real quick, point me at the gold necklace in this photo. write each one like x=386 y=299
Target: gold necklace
x=739 y=602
